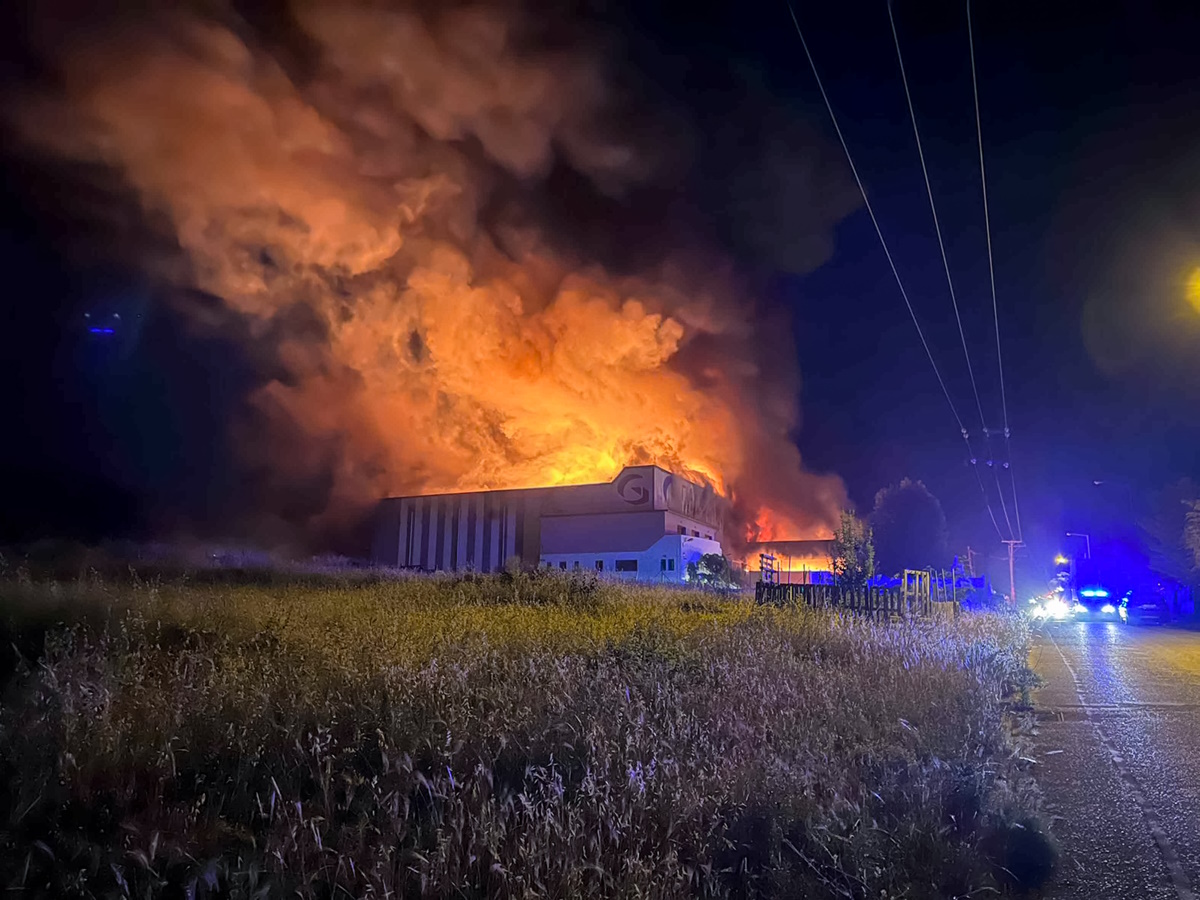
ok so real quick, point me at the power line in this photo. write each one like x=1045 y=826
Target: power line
x=986 y=218
x=999 y=490
x=991 y=271
x=871 y=212
x=933 y=209
x=1013 y=478
x=895 y=273
x=949 y=281
x=982 y=490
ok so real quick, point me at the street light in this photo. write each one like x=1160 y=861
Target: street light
x=1087 y=538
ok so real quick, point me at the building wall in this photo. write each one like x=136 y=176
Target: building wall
x=480 y=531
x=666 y=560
x=691 y=527
x=602 y=532
x=456 y=531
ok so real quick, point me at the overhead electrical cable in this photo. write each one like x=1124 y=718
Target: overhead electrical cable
x=987 y=226
x=871 y=212
x=1000 y=490
x=982 y=490
x=936 y=225
x=912 y=114
x=895 y=273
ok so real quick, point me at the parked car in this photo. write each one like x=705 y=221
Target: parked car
x=1144 y=607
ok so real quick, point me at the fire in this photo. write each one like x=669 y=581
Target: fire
x=811 y=563
x=418 y=345
x=768 y=526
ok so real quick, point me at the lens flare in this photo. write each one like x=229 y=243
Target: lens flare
x=1192 y=290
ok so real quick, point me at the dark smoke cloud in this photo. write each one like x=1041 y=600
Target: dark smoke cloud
x=460 y=245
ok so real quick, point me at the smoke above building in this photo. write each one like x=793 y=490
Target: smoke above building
x=465 y=247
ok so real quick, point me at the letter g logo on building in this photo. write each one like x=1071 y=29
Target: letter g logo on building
x=631 y=489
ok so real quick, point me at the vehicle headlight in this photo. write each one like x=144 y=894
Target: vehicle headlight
x=1080 y=609
x=1108 y=609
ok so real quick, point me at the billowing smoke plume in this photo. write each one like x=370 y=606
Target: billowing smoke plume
x=415 y=209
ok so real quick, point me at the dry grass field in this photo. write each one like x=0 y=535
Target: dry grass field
x=344 y=734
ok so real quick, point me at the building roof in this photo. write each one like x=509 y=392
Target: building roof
x=634 y=489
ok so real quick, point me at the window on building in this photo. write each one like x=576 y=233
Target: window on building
x=670 y=565
x=709 y=536
x=663 y=566
x=626 y=565
x=682 y=529
x=576 y=564
x=599 y=565
x=563 y=564
x=695 y=533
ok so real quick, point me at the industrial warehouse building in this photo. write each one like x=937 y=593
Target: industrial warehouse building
x=645 y=524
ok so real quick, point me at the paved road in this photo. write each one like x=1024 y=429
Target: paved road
x=1118 y=751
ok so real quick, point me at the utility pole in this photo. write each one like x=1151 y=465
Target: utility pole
x=1012 y=581
x=970 y=567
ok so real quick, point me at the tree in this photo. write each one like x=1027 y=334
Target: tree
x=910 y=528
x=1172 y=532
x=853 y=552
x=716 y=569
x=1191 y=532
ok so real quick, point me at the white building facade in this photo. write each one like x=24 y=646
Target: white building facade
x=646 y=524
x=665 y=560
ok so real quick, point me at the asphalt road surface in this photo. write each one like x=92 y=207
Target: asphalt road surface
x=1118 y=750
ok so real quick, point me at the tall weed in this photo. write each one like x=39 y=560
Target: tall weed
x=532 y=735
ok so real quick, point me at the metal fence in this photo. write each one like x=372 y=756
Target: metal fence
x=874 y=602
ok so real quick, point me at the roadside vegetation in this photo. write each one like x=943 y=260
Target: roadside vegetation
x=255 y=734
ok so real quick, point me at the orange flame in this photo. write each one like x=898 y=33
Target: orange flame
x=769 y=525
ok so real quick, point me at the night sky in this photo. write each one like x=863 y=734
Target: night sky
x=1091 y=141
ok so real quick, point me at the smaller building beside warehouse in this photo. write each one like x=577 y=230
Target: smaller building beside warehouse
x=791 y=562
